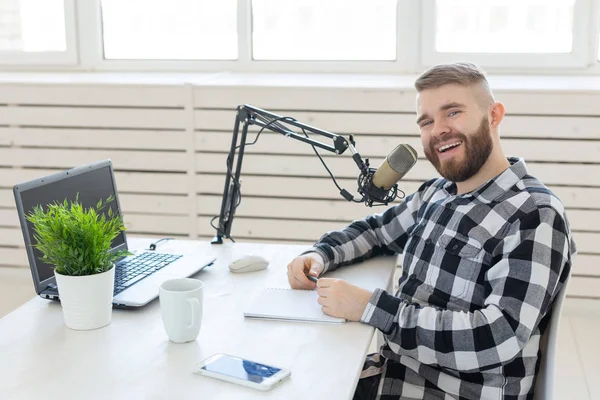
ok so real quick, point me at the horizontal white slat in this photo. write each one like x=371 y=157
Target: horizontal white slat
x=154 y=204
x=11 y=237
x=587 y=242
x=6 y=198
x=256 y=207
x=141 y=182
x=553 y=126
x=122 y=159
x=13 y=257
x=344 y=167
x=93 y=117
x=587 y=264
x=9 y=217
x=578 y=197
x=276 y=229
x=391 y=99
x=381 y=146
x=317 y=188
x=304 y=98
x=161 y=224
x=134 y=95
x=513 y=126
x=583 y=287
x=152 y=182
x=550 y=103
x=584 y=220
x=94 y=138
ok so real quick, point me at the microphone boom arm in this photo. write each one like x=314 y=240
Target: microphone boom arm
x=246 y=116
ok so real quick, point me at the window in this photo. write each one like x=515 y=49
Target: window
x=36 y=30
x=323 y=36
x=330 y=30
x=170 y=30
x=32 y=25
x=500 y=26
x=511 y=33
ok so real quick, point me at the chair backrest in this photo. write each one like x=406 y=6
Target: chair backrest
x=544 y=386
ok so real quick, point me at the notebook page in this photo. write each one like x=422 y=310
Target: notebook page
x=289 y=305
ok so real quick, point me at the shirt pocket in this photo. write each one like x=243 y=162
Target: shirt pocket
x=412 y=249
x=455 y=264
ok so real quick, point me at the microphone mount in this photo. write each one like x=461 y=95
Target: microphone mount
x=369 y=192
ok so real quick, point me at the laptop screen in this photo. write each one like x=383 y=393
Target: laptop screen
x=91 y=185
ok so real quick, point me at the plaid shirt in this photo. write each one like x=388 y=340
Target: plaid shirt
x=480 y=273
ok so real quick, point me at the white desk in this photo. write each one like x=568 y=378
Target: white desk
x=132 y=358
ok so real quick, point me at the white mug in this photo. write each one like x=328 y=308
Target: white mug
x=181 y=308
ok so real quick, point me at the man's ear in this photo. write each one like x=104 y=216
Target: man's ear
x=496 y=114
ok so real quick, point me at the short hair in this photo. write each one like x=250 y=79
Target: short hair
x=460 y=73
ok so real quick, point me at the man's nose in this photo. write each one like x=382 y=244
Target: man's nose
x=440 y=129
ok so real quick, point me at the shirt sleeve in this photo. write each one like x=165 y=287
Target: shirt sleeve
x=529 y=267
x=377 y=234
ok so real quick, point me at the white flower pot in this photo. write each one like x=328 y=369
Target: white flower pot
x=86 y=300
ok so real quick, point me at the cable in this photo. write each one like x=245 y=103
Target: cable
x=220 y=231
x=272 y=122
x=153 y=245
x=344 y=192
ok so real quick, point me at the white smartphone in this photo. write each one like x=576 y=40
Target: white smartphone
x=243 y=372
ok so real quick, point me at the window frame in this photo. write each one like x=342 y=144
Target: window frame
x=406 y=25
x=85 y=49
x=50 y=58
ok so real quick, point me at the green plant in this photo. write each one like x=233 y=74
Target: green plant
x=77 y=240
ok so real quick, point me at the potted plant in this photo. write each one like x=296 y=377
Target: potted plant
x=77 y=241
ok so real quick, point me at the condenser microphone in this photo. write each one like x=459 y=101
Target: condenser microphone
x=380 y=185
x=395 y=166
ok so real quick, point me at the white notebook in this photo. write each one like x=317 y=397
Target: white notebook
x=289 y=305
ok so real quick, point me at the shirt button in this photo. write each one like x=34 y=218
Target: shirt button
x=413 y=276
x=428 y=241
x=455 y=247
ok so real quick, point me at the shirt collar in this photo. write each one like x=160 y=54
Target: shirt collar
x=496 y=186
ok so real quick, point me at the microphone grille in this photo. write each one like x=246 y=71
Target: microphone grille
x=402 y=158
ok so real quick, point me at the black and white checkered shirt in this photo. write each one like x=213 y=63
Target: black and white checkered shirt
x=480 y=273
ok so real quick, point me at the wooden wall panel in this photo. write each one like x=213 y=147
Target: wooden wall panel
x=169 y=143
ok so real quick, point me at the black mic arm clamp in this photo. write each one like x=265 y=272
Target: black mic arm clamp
x=246 y=116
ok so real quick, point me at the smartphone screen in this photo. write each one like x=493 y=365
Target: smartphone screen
x=241 y=369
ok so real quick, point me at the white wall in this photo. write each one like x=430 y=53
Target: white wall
x=168 y=141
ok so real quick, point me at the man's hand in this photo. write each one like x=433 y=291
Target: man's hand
x=339 y=298
x=311 y=263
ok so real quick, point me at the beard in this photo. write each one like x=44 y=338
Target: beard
x=478 y=148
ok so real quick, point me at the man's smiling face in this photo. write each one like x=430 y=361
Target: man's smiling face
x=455 y=130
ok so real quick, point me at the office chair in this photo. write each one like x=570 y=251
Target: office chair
x=545 y=382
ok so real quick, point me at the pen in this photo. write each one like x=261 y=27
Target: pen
x=312 y=278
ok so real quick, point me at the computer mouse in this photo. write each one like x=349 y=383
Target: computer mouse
x=248 y=263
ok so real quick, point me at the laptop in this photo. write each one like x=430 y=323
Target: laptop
x=137 y=277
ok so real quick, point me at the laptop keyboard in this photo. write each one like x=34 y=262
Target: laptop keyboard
x=133 y=270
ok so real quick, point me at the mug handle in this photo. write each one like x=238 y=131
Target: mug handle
x=194 y=302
